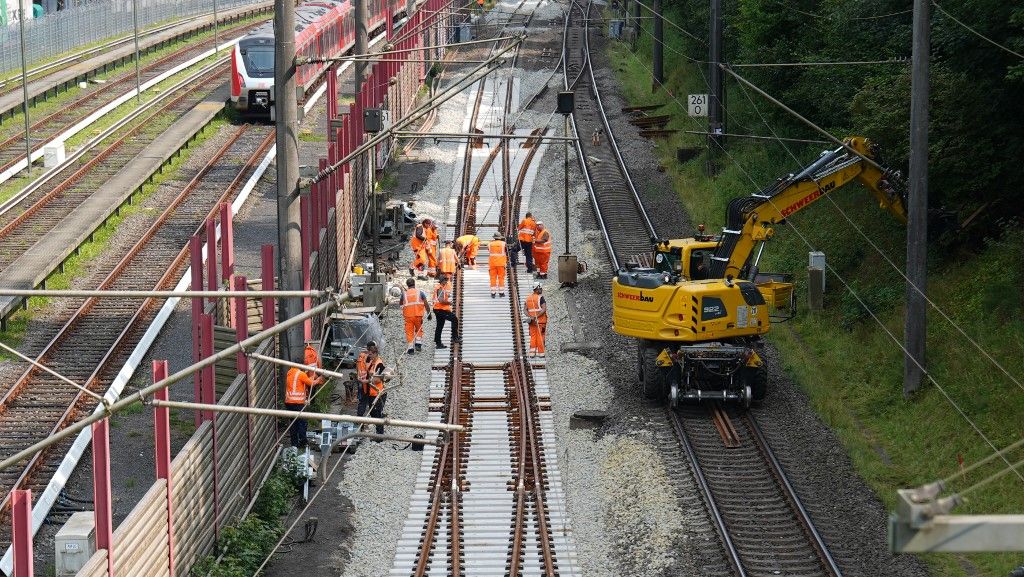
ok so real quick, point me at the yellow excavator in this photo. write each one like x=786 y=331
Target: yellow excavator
x=700 y=312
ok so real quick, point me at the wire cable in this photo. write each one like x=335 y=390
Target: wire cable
x=975 y=32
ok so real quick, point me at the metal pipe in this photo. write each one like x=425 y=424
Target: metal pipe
x=285 y=363
x=178 y=376
x=24 y=91
x=42 y=367
x=387 y=421
x=81 y=293
x=412 y=134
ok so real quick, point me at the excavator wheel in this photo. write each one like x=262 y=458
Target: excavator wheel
x=655 y=380
x=757 y=380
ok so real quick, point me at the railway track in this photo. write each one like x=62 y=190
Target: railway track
x=92 y=344
x=620 y=212
x=753 y=509
x=43 y=205
x=489 y=501
x=88 y=101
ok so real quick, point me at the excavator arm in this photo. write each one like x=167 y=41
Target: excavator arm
x=750 y=220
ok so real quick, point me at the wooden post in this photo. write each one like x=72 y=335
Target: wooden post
x=102 y=501
x=162 y=436
x=816 y=288
x=21 y=532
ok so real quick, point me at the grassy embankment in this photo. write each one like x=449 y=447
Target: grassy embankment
x=842 y=358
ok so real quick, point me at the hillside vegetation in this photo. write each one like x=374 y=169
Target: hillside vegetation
x=847 y=358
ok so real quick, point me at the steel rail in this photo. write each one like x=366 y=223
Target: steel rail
x=114 y=129
x=72 y=409
x=84 y=105
x=818 y=542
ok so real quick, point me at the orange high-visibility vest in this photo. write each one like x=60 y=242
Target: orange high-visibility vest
x=418 y=238
x=443 y=297
x=534 y=310
x=542 y=242
x=366 y=374
x=526 y=229
x=448 y=260
x=497 y=250
x=430 y=234
x=413 y=303
x=296 y=384
x=468 y=240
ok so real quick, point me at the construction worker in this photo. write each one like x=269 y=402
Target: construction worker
x=537 y=315
x=443 y=308
x=418 y=243
x=362 y=364
x=431 y=233
x=542 y=250
x=414 y=307
x=527 y=229
x=448 y=260
x=467 y=246
x=296 y=395
x=496 y=261
x=370 y=369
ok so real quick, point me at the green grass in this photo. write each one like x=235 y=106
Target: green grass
x=310 y=136
x=849 y=367
x=78 y=263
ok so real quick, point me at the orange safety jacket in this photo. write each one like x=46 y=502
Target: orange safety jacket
x=497 y=256
x=534 y=308
x=443 y=297
x=527 y=227
x=448 y=261
x=366 y=371
x=418 y=238
x=542 y=242
x=296 y=387
x=413 y=303
x=430 y=234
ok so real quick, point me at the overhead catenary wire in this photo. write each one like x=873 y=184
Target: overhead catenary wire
x=968 y=28
x=856 y=296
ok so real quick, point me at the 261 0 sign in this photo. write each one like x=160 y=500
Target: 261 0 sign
x=698 y=104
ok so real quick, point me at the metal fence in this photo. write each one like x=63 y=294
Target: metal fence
x=88 y=23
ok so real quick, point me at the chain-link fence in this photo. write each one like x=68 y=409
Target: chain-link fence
x=90 y=22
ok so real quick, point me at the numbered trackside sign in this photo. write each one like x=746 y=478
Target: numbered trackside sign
x=698 y=104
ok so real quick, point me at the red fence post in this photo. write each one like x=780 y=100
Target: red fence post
x=324 y=201
x=195 y=245
x=267 y=274
x=239 y=283
x=307 y=246
x=315 y=199
x=332 y=94
x=227 y=243
x=102 y=502
x=211 y=256
x=21 y=532
x=162 y=436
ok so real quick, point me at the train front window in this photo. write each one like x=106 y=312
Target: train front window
x=259 y=61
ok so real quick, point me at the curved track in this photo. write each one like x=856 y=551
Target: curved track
x=763 y=528
x=93 y=342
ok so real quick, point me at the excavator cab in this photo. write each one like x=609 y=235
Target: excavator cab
x=685 y=258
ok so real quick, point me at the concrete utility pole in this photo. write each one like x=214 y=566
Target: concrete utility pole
x=289 y=234
x=24 y=90
x=362 y=44
x=917 y=207
x=659 y=48
x=716 y=122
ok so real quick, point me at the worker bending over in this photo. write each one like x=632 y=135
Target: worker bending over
x=542 y=250
x=418 y=244
x=467 y=246
x=448 y=260
x=414 y=307
x=527 y=229
x=443 y=308
x=370 y=374
x=537 y=315
x=296 y=394
x=431 y=235
x=310 y=356
x=496 y=261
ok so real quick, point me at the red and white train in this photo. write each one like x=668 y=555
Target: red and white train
x=323 y=28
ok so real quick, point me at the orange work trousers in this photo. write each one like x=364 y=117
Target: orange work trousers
x=497 y=279
x=414 y=331
x=540 y=260
x=420 y=261
x=537 y=332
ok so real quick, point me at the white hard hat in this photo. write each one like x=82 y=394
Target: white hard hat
x=537 y=285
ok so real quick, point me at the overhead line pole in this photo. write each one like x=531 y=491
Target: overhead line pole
x=658 y=56
x=915 y=323
x=716 y=122
x=24 y=89
x=289 y=233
